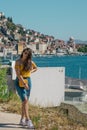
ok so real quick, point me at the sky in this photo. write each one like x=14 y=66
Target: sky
x=59 y=18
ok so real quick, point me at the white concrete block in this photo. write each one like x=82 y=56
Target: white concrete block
x=48 y=86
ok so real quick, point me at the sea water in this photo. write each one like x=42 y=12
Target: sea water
x=75 y=66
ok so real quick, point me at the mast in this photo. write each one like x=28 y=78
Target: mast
x=79 y=72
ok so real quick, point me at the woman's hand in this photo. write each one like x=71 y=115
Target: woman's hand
x=26 y=86
x=33 y=70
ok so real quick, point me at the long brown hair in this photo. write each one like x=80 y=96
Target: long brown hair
x=27 y=64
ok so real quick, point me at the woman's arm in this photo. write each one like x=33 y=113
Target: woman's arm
x=34 y=67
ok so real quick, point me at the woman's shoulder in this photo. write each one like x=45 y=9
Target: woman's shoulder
x=17 y=62
x=33 y=62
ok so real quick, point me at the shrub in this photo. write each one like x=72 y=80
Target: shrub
x=3 y=82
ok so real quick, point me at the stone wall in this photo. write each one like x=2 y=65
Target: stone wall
x=73 y=113
x=10 y=83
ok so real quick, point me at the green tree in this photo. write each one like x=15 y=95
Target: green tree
x=83 y=49
x=3 y=81
x=10 y=19
x=11 y=26
x=21 y=31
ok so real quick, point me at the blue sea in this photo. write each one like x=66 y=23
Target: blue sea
x=75 y=66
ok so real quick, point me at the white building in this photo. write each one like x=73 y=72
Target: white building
x=38 y=48
x=32 y=46
x=42 y=48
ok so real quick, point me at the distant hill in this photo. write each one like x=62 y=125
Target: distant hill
x=77 y=41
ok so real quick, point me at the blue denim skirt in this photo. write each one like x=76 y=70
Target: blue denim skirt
x=22 y=92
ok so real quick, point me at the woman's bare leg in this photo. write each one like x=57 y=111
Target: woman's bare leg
x=23 y=111
x=26 y=113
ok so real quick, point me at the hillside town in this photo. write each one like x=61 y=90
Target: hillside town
x=14 y=37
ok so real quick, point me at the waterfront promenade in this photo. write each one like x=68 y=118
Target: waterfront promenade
x=9 y=121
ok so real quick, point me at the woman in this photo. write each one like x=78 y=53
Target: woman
x=24 y=67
